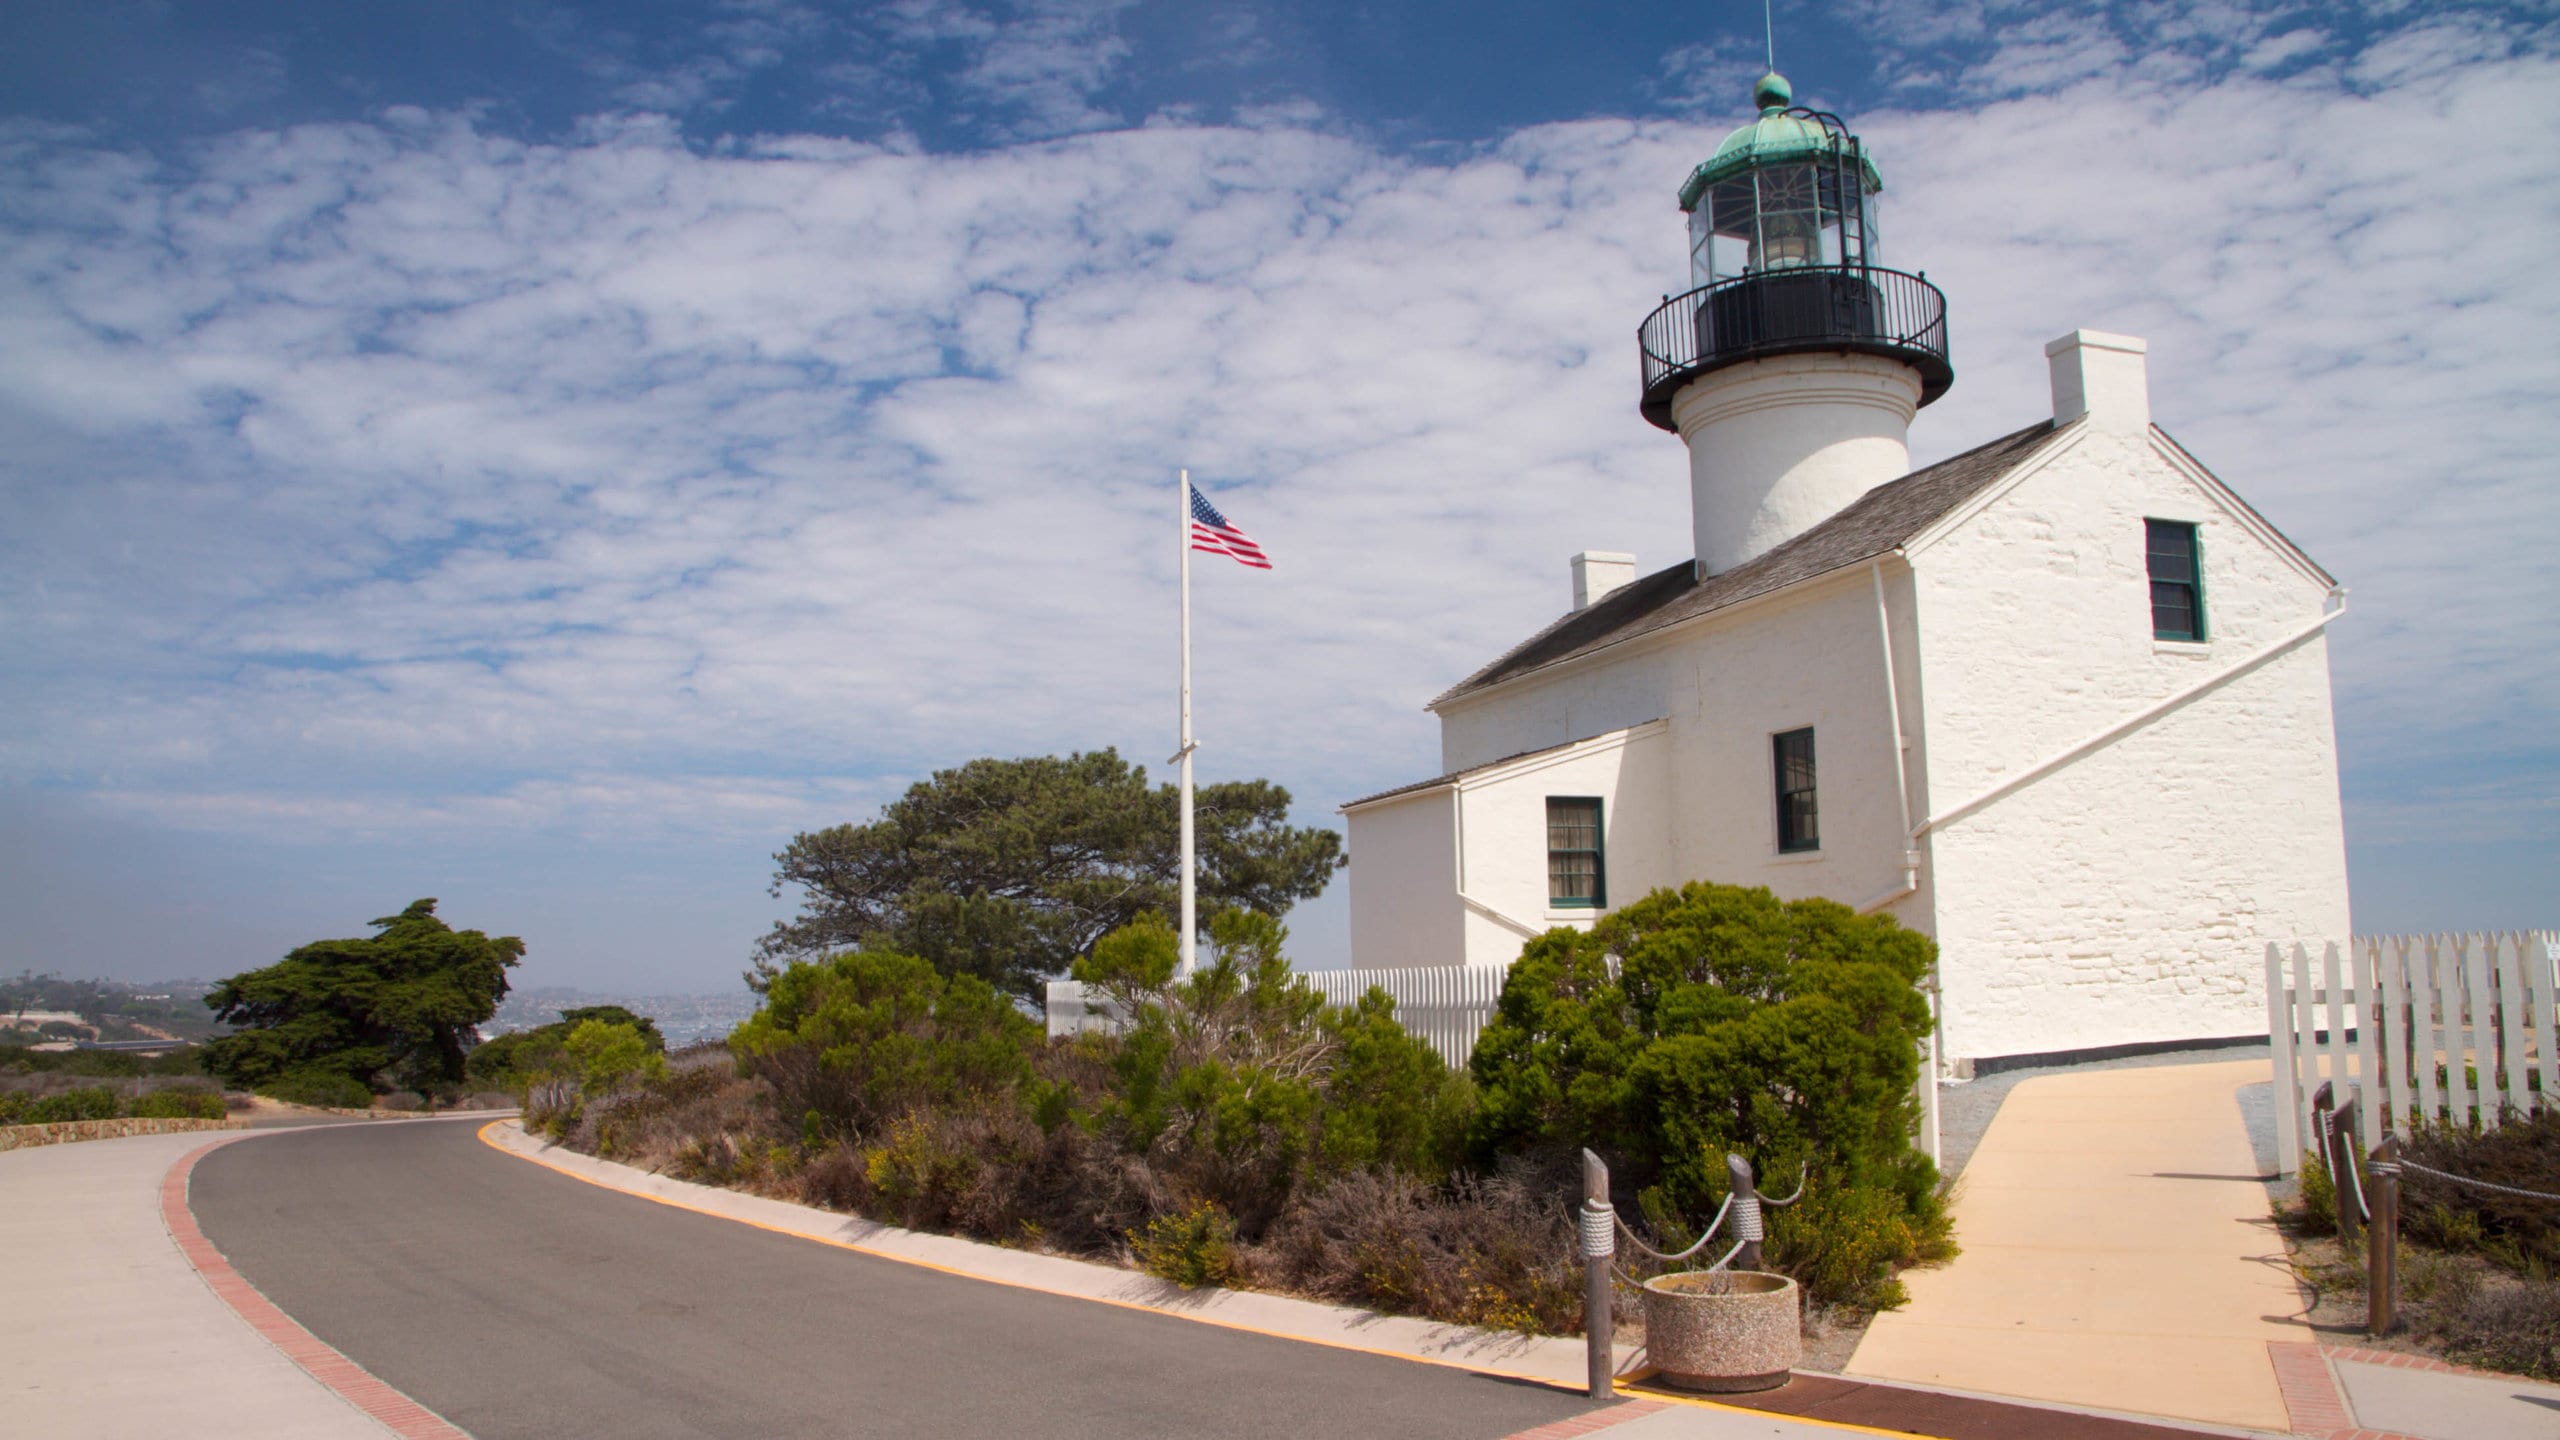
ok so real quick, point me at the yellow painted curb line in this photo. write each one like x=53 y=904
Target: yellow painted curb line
x=1144 y=1308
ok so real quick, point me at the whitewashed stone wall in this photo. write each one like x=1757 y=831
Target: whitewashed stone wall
x=1407 y=908
x=1727 y=684
x=1404 y=881
x=2123 y=897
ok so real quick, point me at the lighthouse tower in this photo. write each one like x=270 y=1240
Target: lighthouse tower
x=1793 y=366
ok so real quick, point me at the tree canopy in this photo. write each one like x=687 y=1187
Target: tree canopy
x=400 y=1007
x=507 y=1061
x=1008 y=870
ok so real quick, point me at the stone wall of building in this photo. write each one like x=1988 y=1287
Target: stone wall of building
x=2124 y=896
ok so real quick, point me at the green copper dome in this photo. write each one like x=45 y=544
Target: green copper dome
x=1776 y=138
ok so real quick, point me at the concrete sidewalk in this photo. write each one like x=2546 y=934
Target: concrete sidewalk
x=106 y=1332
x=2117 y=1253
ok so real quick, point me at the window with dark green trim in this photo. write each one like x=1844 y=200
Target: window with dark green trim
x=2176 y=561
x=1576 y=877
x=1799 y=818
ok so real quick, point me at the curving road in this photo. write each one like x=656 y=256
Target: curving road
x=520 y=1302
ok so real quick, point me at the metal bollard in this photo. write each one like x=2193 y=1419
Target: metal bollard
x=1599 y=1233
x=1747 y=1225
x=2382 y=1242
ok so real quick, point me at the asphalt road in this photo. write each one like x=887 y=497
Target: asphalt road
x=516 y=1301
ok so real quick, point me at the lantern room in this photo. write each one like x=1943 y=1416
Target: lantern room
x=1791 y=188
x=1783 y=260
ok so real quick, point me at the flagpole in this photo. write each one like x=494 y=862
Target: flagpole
x=1190 y=940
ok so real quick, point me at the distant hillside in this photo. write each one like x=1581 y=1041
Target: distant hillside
x=110 y=1009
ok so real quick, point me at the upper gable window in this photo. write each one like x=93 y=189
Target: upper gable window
x=2177 y=580
x=1576 y=879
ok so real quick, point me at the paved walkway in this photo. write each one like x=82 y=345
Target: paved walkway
x=2411 y=1400
x=2117 y=1254
x=105 y=1330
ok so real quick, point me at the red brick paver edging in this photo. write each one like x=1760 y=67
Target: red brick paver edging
x=2311 y=1393
x=349 y=1381
x=1592 y=1420
x=2403 y=1360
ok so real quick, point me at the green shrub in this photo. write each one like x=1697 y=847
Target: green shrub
x=2516 y=1232
x=1846 y=1245
x=179 y=1105
x=912 y=1169
x=13 y=1107
x=1192 y=1247
x=608 y=1054
x=1784 y=1031
x=90 y=1103
x=1240 y=1086
x=511 y=1061
x=2319 y=1200
x=864 y=1038
x=327 y=1089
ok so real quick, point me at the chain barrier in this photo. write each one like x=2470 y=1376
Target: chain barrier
x=1745 y=1209
x=1638 y=1241
x=2406 y=1164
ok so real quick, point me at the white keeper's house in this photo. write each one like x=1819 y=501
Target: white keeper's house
x=2061 y=702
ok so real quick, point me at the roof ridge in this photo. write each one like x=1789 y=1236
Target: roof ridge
x=1876 y=522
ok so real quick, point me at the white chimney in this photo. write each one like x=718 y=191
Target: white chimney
x=2100 y=376
x=1596 y=573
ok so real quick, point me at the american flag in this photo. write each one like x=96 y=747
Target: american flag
x=1211 y=532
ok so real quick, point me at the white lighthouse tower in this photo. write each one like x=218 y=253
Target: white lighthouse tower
x=1793 y=367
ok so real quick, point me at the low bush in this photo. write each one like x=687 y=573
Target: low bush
x=326 y=1089
x=2512 y=1327
x=511 y=1061
x=180 y=1105
x=2317 y=1199
x=850 y=1045
x=1240 y=1086
x=89 y=1103
x=1784 y=1031
x=2517 y=1232
x=1494 y=1252
x=610 y=1054
x=1193 y=1247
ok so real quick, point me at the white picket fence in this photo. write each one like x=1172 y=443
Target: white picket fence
x=1446 y=1005
x=2394 y=1010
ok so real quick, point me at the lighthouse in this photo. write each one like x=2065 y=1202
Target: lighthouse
x=1793 y=364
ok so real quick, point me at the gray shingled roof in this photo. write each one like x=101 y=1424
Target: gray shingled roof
x=1462 y=774
x=1876 y=523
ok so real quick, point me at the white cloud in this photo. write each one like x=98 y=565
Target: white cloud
x=405 y=475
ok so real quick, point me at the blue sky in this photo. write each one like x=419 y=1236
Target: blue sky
x=542 y=456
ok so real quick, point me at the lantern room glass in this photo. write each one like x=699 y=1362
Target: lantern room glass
x=1781 y=217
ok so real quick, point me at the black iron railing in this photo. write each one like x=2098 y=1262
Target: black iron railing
x=1790 y=311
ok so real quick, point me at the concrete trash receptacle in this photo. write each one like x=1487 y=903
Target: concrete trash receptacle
x=1723 y=1330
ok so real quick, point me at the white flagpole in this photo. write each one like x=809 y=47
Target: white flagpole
x=1190 y=940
